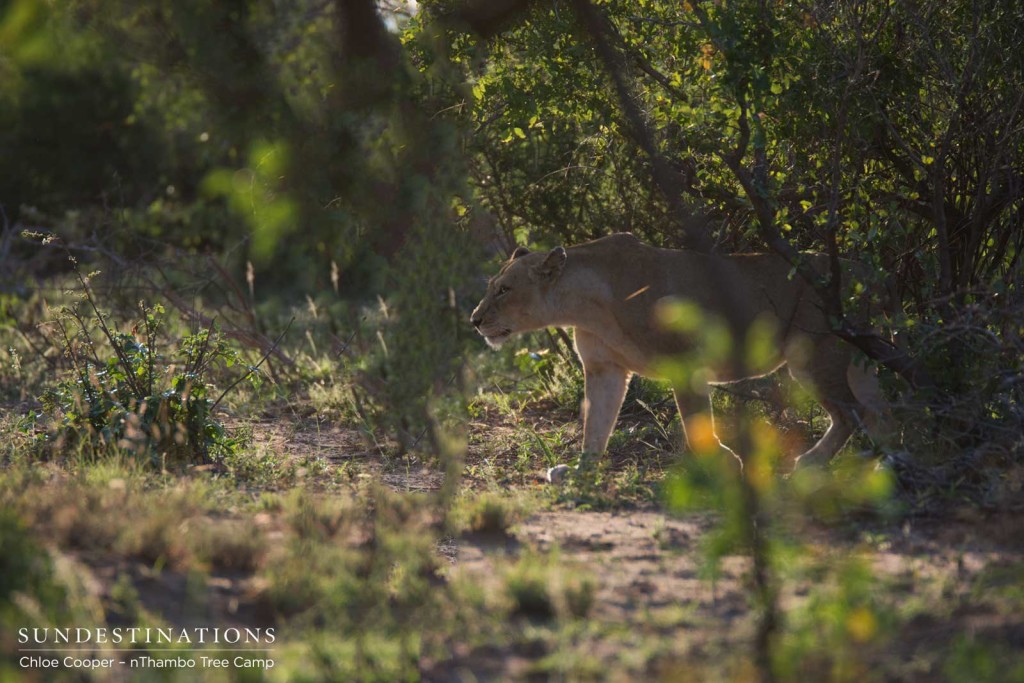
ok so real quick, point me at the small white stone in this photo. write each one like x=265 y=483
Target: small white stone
x=557 y=474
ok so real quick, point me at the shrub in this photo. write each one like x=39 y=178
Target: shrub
x=134 y=392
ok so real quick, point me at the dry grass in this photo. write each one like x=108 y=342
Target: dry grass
x=326 y=532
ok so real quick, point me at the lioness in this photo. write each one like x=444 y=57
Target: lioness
x=607 y=290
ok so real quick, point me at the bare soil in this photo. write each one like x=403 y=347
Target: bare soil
x=648 y=573
x=651 y=578
x=654 y=600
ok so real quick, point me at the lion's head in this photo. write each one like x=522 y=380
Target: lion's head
x=516 y=297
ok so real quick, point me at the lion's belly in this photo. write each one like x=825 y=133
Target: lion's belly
x=645 y=349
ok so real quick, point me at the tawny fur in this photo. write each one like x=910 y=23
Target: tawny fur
x=607 y=290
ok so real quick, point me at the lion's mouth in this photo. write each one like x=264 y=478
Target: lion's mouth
x=495 y=340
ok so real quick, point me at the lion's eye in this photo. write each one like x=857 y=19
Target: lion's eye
x=503 y=290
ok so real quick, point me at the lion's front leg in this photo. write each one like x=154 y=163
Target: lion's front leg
x=604 y=390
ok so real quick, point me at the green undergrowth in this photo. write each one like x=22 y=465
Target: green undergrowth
x=353 y=582
x=288 y=504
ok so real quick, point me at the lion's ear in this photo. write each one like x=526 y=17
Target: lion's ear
x=520 y=251
x=552 y=266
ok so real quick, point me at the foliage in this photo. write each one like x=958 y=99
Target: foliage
x=24 y=567
x=861 y=129
x=840 y=128
x=538 y=588
x=365 y=158
x=67 y=124
x=124 y=393
x=826 y=637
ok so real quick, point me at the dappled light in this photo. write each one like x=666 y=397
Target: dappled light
x=469 y=340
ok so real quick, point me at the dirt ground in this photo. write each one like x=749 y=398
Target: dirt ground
x=651 y=582
x=656 y=612
x=647 y=570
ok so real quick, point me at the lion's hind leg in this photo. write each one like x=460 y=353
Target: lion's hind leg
x=824 y=374
x=698 y=424
x=835 y=437
x=876 y=417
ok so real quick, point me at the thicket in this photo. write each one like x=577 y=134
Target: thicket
x=384 y=152
x=886 y=132
x=381 y=153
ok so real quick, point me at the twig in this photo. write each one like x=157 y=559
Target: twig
x=348 y=343
x=122 y=357
x=8 y=235
x=245 y=337
x=254 y=368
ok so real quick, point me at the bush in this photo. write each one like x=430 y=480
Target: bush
x=24 y=565
x=124 y=393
